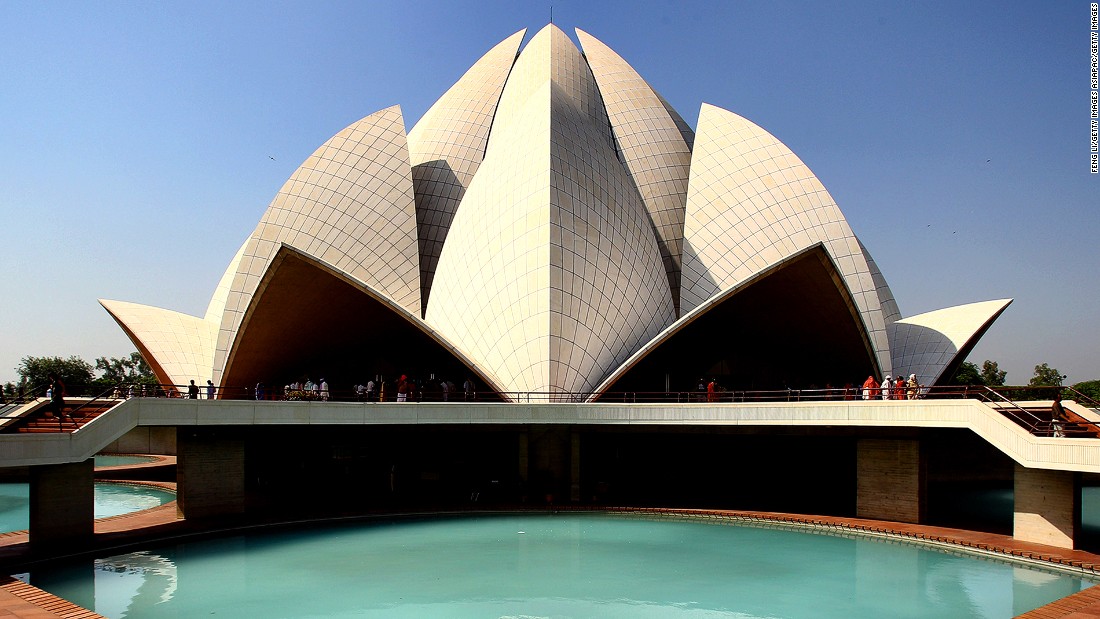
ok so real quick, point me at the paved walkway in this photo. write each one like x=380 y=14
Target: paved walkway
x=21 y=601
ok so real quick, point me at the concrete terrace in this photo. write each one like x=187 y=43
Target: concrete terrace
x=985 y=420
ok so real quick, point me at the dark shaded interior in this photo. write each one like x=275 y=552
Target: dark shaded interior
x=796 y=327
x=307 y=323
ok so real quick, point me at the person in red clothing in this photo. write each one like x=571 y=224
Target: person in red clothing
x=870 y=388
x=712 y=390
x=403 y=389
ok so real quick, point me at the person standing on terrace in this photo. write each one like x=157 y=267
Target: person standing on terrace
x=870 y=388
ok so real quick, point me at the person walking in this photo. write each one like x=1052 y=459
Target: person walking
x=193 y=391
x=57 y=401
x=209 y=389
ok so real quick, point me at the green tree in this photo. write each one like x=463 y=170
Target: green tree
x=1046 y=376
x=128 y=370
x=967 y=374
x=1090 y=389
x=75 y=372
x=992 y=375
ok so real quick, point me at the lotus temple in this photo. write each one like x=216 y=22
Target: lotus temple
x=552 y=225
x=554 y=232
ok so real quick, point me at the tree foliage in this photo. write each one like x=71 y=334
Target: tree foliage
x=992 y=375
x=34 y=373
x=1046 y=376
x=128 y=370
x=967 y=374
x=78 y=375
x=1090 y=389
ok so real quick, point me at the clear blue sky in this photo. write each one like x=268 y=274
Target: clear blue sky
x=137 y=139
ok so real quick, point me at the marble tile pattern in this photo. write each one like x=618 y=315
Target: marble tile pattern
x=351 y=206
x=926 y=343
x=568 y=277
x=751 y=205
x=448 y=144
x=548 y=219
x=181 y=346
x=653 y=149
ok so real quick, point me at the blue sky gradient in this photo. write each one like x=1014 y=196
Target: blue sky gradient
x=142 y=142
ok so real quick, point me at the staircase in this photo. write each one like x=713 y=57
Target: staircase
x=41 y=420
x=1041 y=420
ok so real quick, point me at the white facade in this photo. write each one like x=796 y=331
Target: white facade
x=550 y=221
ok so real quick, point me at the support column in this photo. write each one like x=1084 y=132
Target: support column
x=209 y=473
x=1046 y=506
x=890 y=480
x=62 y=509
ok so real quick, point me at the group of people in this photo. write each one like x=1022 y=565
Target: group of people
x=891 y=388
x=299 y=390
x=408 y=389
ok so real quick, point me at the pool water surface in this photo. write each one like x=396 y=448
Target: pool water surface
x=110 y=500
x=573 y=565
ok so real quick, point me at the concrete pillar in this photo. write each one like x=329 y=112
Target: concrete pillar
x=1047 y=506
x=209 y=473
x=62 y=510
x=890 y=480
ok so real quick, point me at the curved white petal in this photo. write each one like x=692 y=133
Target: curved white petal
x=350 y=205
x=654 y=150
x=447 y=145
x=751 y=204
x=929 y=343
x=178 y=347
x=551 y=275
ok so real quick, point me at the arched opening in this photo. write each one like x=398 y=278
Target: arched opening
x=306 y=322
x=795 y=327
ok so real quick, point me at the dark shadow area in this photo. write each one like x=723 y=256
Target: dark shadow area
x=437 y=192
x=970 y=482
x=307 y=323
x=796 y=327
x=762 y=471
x=330 y=471
x=322 y=471
x=1088 y=536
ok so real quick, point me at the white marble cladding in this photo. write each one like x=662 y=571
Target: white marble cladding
x=448 y=144
x=926 y=343
x=350 y=205
x=180 y=344
x=752 y=204
x=547 y=220
x=655 y=152
x=567 y=282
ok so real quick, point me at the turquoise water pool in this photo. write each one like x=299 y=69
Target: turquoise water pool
x=111 y=460
x=110 y=500
x=575 y=565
